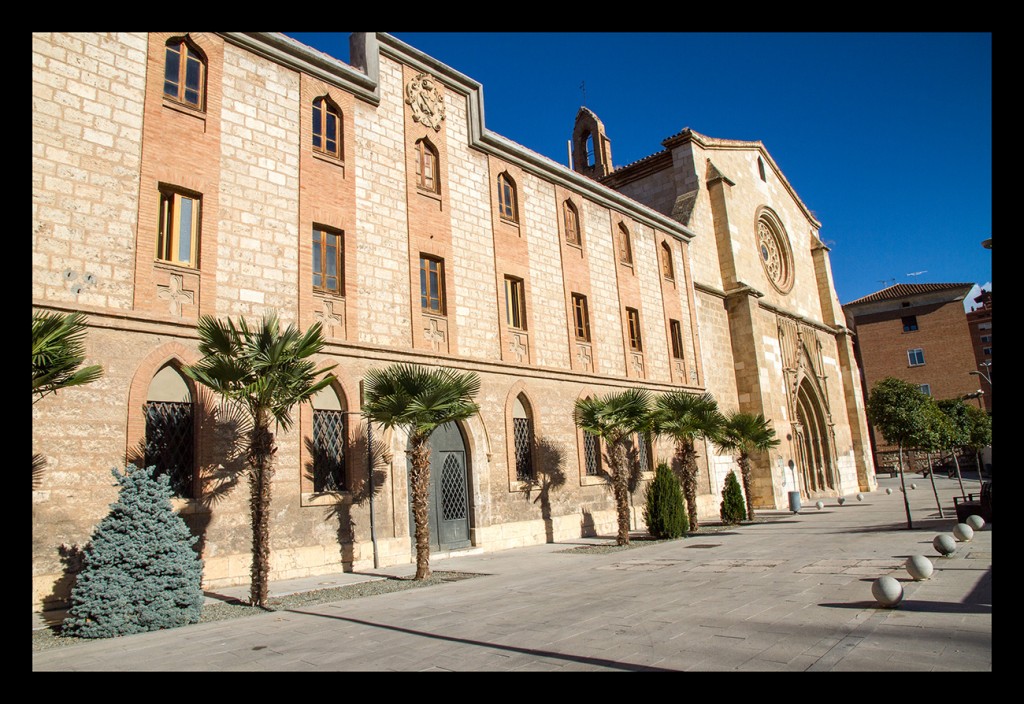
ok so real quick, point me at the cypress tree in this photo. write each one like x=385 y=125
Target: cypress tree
x=733 y=509
x=665 y=511
x=140 y=572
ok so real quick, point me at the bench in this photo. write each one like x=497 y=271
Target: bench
x=969 y=505
x=888 y=469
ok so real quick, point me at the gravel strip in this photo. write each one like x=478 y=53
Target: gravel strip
x=48 y=638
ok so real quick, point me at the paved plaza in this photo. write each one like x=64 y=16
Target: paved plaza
x=789 y=594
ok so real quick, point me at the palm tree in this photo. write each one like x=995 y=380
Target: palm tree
x=266 y=373
x=686 y=418
x=58 y=351
x=419 y=400
x=614 y=418
x=746 y=434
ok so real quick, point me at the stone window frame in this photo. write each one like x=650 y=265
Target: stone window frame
x=774 y=250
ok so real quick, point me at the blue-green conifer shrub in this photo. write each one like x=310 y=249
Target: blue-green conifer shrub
x=733 y=509
x=140 y=572
x=665 y=511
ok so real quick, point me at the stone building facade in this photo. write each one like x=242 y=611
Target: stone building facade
x=234 y=174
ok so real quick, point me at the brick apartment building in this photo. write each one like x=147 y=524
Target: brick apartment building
x=979 y=321
x=232 y=174
x=918 y=333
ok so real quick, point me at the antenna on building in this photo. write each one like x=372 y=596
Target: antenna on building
x=887 y=282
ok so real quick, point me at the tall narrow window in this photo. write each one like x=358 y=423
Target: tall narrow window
x=638 y=450
x=507 y=198
x=915 y=357
x=581 y=318
x=515 y=303
x=328 y=259
x=760 y=169
x=625 y=246
x=676 y=333
x=184 y=73
x=170 y=435
x=426 y=166
x=572 y=223
x=329 y=442
x=591 y=455
x=326 y=127
x=432 y=285
x=667 y=270
x=178 y=236
x=522 y=431
x=635 y=341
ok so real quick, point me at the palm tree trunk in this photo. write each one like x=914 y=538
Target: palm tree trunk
x=745 y=475
x=620 y=484
x=420 y=481
x=261 y=454
x=689 y=464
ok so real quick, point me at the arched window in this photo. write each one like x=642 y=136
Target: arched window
x=572 y=223
x=625 y=246
x=326 y=127
x=522 y=430
x=667 y=270
x=170 y=430
x=591 y=455
x=588 y=141
x=507 y=207
x=185 y=73
x=427 y=167
x=329 y=442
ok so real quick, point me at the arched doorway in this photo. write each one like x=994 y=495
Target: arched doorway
x=813 y=450
x=449 y=490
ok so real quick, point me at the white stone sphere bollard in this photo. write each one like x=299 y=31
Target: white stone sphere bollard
x=919 y=567
x=975 y=521
x=888 y=490
x=860 y=497
x=913 y=485
x=887 y=591
x=841 y=500
x=820 y=505
x=945 y=544
x=963 y=532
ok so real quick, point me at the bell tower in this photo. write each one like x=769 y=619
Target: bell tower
x=591 y=148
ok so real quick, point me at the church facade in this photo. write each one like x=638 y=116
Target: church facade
x=234 y=174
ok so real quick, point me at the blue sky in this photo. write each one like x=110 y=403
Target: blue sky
x=886 y=137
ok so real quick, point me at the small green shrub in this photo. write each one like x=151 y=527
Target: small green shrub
x=733 y=508
x=665 y=511
x=140 y=572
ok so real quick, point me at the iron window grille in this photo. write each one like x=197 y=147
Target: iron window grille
x=523 y=438
x=328 y=450
x=170 y=443
x=591 y=455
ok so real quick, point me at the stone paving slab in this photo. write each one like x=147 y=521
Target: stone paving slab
x=793 y=594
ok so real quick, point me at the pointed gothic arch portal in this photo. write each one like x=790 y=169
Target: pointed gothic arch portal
x=814 y=451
